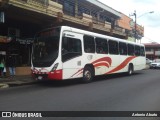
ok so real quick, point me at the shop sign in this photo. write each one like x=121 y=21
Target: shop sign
x=4 y=39
x=25 y=41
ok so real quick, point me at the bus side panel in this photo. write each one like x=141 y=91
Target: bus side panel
x=72 y=67
x=115 y=61
x=140 y=63
x=102 y=63
x=124 y=62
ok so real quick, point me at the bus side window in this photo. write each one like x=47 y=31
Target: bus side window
x=131 y=49
x=113 y=47
x=122 y=48
x=137 y=50
x=89 y=44
x=71 y=48
x=101 y=46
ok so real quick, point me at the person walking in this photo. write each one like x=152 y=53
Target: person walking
x=11 y=63
x=4 y=68
x=1 y=67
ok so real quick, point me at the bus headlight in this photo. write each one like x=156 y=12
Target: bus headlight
x=55 y=67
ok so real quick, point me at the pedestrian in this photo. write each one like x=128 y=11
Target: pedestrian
x=1 y=67
x=4 y=68
x=11 y=63
x=4 y=71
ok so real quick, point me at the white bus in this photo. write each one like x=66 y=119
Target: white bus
x=64 y=52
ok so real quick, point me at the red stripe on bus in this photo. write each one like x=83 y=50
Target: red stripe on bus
x=122 y=65
x=101 y=64
x=106 y=59
x=79 y=71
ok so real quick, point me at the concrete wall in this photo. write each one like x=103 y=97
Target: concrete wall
x=21 y=71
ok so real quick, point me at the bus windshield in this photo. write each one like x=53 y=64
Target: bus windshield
x=45 y=48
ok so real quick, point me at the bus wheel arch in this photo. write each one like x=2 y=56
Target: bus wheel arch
x=88 y=73
x=130 y=69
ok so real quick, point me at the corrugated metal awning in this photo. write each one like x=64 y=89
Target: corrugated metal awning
x=105 y=7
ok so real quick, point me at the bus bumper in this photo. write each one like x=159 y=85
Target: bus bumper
x=56 y=75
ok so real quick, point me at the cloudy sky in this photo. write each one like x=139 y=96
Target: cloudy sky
x=151 y=22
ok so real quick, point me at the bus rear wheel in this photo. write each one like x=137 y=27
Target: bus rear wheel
x=130 y=69
x=87 y=74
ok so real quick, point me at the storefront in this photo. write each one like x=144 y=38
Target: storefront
x=16 y=37
x=20 y=49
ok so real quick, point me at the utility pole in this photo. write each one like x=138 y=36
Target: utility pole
x=135 y=25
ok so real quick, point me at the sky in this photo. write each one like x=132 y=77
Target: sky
x=150 y=21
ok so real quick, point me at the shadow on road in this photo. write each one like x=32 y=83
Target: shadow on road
x=71 y=82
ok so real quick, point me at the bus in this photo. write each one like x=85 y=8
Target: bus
x=64 y=52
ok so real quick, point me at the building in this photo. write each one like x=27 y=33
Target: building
x=21 y=19
x=152 y=50
x=128 y=25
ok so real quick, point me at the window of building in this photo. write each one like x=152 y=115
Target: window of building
x=82 y=9
x=113 y=47
x=107 y=18
x=130 y=49
x=94 y=15
x=149 y=49
x=122 y=48
x=101 y=18
x=89 y=44
x=71 y=48
x=68 y=8
x=101 y=46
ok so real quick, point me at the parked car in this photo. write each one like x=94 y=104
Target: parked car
x=148 y=61
x=155 y=65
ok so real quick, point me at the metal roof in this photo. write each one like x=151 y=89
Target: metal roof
x=152 y=44
x=105 y=7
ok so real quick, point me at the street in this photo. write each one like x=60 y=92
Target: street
x=139 y=92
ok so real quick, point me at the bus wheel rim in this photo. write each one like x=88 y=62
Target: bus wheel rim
x=87 y=75
x=130 y=71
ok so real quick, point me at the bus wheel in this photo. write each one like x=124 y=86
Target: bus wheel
x=87 y=74
x=130 y=69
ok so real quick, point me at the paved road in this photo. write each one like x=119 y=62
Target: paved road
x=140 y=92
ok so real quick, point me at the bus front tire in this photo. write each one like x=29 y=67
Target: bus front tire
x=87 y=74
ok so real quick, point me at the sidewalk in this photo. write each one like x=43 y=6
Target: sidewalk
x=16 y=81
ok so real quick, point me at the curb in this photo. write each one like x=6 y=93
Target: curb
x=4 y=85
x=20 y=83
x=16 y=83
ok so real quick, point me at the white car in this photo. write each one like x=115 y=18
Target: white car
x=148 y=61
x=155 y=65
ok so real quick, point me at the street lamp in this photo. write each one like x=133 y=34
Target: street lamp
x=135 y=25
x=145 y=14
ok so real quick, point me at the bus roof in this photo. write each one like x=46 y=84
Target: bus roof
x=76 y=30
